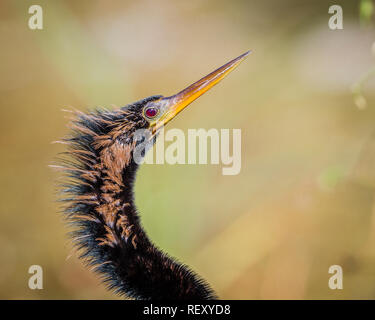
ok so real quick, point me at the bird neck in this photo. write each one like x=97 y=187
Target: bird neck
x=143 y=270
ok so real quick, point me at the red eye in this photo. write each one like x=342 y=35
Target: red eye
x=151 y=112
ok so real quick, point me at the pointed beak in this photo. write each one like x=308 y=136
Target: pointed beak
x=173 y=105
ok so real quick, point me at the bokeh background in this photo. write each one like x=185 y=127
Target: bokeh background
x=304 y=199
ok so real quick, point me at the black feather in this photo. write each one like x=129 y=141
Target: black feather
x=137 y=270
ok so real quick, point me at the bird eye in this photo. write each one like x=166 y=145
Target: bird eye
x=151 y=112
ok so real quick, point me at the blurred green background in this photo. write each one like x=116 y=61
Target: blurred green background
x=304 y=199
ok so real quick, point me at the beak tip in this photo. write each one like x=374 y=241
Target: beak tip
x=246 y=53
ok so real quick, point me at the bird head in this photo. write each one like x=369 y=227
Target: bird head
x=115 y=134
x=155 y=112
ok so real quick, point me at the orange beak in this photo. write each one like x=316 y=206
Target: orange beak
x=173 y=105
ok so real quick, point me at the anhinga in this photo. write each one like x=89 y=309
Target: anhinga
x=100 y=202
